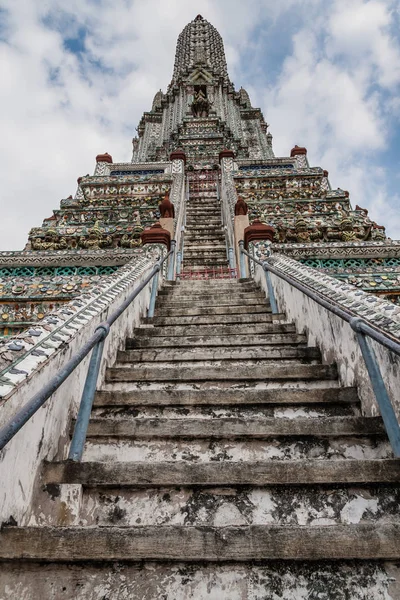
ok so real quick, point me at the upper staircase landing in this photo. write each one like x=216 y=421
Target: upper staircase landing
x=205 y=251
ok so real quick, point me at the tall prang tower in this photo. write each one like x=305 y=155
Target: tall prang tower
x=201 y=112
x=201 y=132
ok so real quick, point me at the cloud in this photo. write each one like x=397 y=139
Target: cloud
x=337 y=95
x=77 y=77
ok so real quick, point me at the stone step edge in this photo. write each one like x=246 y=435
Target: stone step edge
x=181 y=320
x=233 y=427
x=206 y=353
x=202 y=543
x=152 y=372
x=205 y=331
x=228 y=397
x=223 y=473
x=209 y=341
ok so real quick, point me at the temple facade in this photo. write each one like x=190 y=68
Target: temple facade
x=201 y=126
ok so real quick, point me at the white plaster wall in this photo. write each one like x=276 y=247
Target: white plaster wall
x=46 y=435
x=337 y=342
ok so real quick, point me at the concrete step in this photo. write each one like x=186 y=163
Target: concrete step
x=204 y=227
x=193 y=242
x=202 y=220
x=219 y=394
x=172 y=543
x=212 y=319
x=208 y=339
x=168 y=309
x=226 y=428
x=190 y=247
x=199 y=255
x=233 y=450
x=195 y=254
x=198 y=331
x=215 y=241
x=199 y=201
x=203 y=216
x=204 y=262
x=206 y=239
x=202 y=258
x=212 y=285
x=223 y=473
x=239 y=412
x=232 y=295
x=216 y=307
x=204 y=271
x=220 y=507
x=372 y=580
x=205 y=252
x=199 y=263
x=257 y=299
x=257 y=370
x=182 y=290
x=204 y=230
x=219 y=353
x=203 y=211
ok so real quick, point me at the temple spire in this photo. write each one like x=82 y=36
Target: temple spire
x=200 y=42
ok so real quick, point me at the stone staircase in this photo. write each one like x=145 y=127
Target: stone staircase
x=205 y=246
x=223 y=461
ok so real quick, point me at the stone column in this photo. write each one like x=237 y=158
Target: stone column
x=300 y=154
x=102 y=162
x=240 y=223
x=178 y=158
x=257 y=240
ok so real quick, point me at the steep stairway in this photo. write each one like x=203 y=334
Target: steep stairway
x=205 y=246
x=223 y=461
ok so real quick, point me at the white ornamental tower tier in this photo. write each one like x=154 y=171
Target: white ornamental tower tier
x=201 y=112
x=200 y=44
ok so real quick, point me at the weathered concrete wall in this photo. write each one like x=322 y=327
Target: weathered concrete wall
x=46 y=435
x=337 y=342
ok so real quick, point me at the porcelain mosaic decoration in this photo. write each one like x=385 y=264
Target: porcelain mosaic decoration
x=200 y=122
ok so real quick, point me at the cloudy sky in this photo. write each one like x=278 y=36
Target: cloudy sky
x=76 y=76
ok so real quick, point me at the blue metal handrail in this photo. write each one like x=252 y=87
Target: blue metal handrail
x=362 y=330
x=180 y=252
x=95 y=343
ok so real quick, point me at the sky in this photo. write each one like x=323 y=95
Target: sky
x=76 y=76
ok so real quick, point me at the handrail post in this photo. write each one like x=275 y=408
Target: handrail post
x=231 y=259
x=271 y=293
x=154 y=288
x=178 y=265
x=242 y=262
x=85 y=408
x=171 y=264
x=378 y=386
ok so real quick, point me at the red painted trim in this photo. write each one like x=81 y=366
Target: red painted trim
x=258 y=232
x=298 y=151
x=178 y=155
x=156 y=235
x=104 y=158
x=226 y=154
